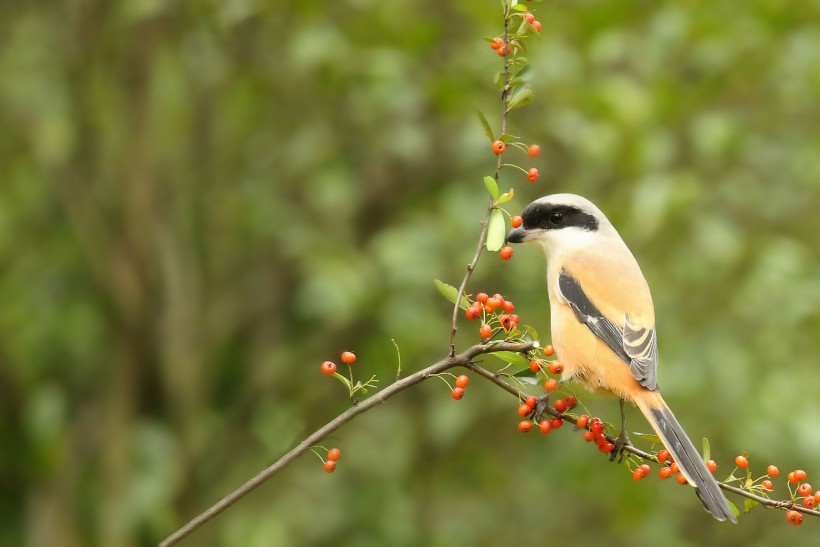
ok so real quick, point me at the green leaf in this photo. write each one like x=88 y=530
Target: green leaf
x=527 y=376
x=492 y=187
x=515 y=82
x=506 y=137
x=495 y=231
x=735 y=510
x=648 y=436
x=523 y=71
x=450 y=293
x=487 y=129
x=531 y=331
x=749 y=504
x=506 y=196
x=520 y=7
x=498 y=79
x=513 y=358
x=707 y=451
x=522 y=96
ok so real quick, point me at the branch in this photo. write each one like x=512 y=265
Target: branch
x=463 y=359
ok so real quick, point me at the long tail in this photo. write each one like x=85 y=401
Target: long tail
x=685 y=454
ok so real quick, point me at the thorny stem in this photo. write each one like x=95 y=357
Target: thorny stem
x=463 y=359
x=482 y=238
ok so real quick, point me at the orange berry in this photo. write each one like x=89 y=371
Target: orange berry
x=772 y=471
x=503 y=50
x=742 y=462
x=494 y=302
x=663 y=455
x=328 y=367
x=536 y=25
x=674 y=467
x=533 y=151
x=804 y=489
x=606 y=447
x=645 y=469
x=794 y=517
x=582 y=422
x=545 y=426
x=506 y=253
x=588 y=435
x=516 y=221
x=508 y=306
x=457 y=393
x=531 y=401
x=681 y=479
x=499 y=147
x=462 y=381
x=556 y=367
x=767 y=485
x=817 y=496
x=473 y=313
x=348 y=357
x=535 y=366
x=532 y=174
x=496 y=43
x=791 y=477
x=560 y=405
x=800 y=475
x=529 y=17
x=549 y=350
x=333 y=454
x=556 y=423
x=665 y=472
x=330 y=466
x=551 y=384
x=524 y=411
x=482 y=297
x=637 y=474
x=711 y=465
x=524 y=426
x=485 y=331
x=809 y=502
x=571 y=401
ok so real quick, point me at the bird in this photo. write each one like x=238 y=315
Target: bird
x=603 y=324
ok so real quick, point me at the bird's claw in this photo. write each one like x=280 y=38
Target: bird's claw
x=620 y=446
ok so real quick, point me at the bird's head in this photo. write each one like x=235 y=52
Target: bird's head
x=561 y=222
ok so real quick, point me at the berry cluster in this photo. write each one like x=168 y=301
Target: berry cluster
x=329 y=368
x=486 y=308
x=499 y=147
x=461 y=383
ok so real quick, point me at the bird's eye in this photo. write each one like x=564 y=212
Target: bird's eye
x=556 y=218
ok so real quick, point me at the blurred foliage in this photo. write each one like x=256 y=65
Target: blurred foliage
x=203 y=200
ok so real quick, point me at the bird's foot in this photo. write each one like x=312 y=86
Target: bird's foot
x=620 y=446
x=542 y=402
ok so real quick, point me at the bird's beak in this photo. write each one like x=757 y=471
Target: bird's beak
x=520 y=235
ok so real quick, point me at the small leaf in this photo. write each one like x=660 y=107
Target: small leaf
x=735 y=510
x=515 y=82
x=749 y=504
x=492 y=187
x=523 y=71
x=531 y=331
x=506 y=196
x=648 y=436
x=450 y=293
x=496 y=231
x=513 y=358
x=527 y=376
x=487 y=129
x=520 y=7
x=707 y=451
x=498 y=79
x=524 y=96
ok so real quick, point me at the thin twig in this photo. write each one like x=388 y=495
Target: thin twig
x=482 y=238
x=463 y=359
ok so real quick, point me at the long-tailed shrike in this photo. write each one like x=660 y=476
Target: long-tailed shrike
x=603 y=322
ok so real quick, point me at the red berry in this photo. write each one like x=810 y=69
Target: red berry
x=571 y=401
x=665 y=472
x=531 y=401
x=817 y=496
x=485 y=331
x=496 y=43
x=524 y=426
x=524 y=411
x=809 y=502
x=516 y=221
x=596 y=426
x=794 y=517
x=529 y=17
x=556 y=367
x=506 y=253
x=545 y=426
x=645 y=469
x=711 y=465
x=556 y=423
x=588 y=435
x=482 y=297
x=663 y=455
x=681 y=480
x=606 y=447
x=499 y=146
x=333 y=454
x=767 y=485
x=549 y=350
x=457 y=393
x=551 y=384
x=348 y=357
x=772 y=471
x=674 y=467
x=741 y=462
x=494 y=302
x=536 y=25
x=532 y=174
x=533 y=151
x=462 y=381
x=800 y=475
x=582 y=422
x=473 y=313
x=791 y=477
x=503 y=50
x=560 y=405
x=804 y=489
x=508 y=306
x=330 y=466
x=637 y=474
x=328 y=367
x=534 y=366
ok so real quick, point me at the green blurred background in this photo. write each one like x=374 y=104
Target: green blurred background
x=201 y=201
